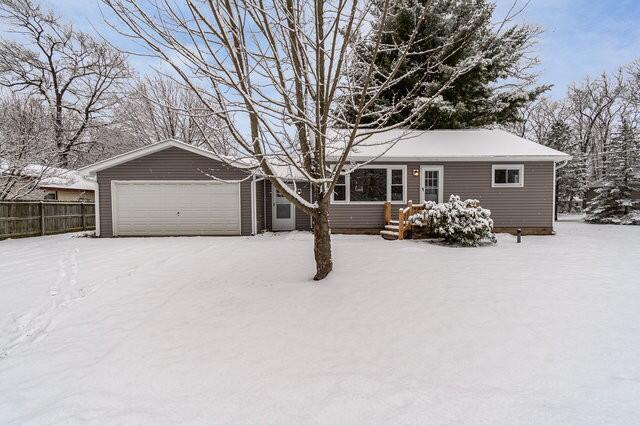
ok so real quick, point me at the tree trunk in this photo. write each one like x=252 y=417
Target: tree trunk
x=322 y=242
x=63 y=151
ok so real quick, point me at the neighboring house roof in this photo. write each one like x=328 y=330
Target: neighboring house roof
x=150 y=149
x=450 y=145
x=55 y=177
x=71 y=180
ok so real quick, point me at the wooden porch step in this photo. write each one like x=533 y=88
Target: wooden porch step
x=392 y=228
x=389 y=235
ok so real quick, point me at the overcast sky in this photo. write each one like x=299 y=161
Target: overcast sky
x=582 y=37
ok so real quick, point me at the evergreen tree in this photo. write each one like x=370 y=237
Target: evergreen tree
x=478 y=97
x=571 y=178
x=617 y=200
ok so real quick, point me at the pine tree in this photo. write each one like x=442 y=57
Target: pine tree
x=571 y=178
x=617 y=197
x=475 y=99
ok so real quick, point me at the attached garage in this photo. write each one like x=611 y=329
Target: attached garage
x=172 y=189
x=175 y=208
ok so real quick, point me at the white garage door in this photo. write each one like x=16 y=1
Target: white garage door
x=175 y=208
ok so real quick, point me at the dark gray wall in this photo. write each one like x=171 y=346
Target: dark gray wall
x=530 y=206
x=171 y=164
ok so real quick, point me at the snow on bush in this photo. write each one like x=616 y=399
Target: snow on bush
x=458 y=222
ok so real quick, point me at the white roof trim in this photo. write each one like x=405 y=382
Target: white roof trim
x=147 y=150
x=406 y=145
x=482 y=158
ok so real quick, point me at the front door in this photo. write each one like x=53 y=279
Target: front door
x=432 y=183
x=283 y=213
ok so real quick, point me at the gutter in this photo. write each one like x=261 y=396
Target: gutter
x=478 y=158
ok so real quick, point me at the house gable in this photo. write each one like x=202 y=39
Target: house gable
x=150 y=150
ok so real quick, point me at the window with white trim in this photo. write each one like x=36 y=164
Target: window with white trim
x=397 y=185
x=507 y=175
x=340 y=190
x=372 y=184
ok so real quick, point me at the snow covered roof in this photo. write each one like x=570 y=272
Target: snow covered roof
x=156 y=147
x=450 y=145
x=54 y=177
x=70 y=179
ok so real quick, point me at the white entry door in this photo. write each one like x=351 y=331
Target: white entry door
x=141 y=208
x=283 y=213
x=432 y=184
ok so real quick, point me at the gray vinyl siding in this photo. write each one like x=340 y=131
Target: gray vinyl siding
x=303 y=221
x=529 y=206
x=267 y=205
x=260 y=207
x=171 y=164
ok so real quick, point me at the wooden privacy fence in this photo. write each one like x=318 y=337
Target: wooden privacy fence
x=30 y=218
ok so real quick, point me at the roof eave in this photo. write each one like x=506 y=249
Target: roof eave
x=66 y=188
x=92 y=169
x=479 y=158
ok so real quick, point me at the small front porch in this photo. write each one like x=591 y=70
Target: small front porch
x=401 y=228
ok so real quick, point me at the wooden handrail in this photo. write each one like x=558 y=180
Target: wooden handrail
x=387 y=213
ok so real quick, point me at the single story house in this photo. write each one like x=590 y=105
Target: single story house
x=167 y=188
x=68 y=185
x=52 y=183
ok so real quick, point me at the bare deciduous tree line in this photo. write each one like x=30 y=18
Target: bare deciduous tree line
x=68 y=99
x=593 y=112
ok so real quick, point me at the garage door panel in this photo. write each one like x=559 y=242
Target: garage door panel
x=176 y=208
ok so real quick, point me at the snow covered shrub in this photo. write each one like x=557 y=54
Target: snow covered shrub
x=457 y=222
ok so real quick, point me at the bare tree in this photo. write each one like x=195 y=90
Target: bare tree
x=27 y=152
x=77 y=76
x=161 y=108
x=272 y=72
x=594 y=106
x=585 y=122
x=536 y=119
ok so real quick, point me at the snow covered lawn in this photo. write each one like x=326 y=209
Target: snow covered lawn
x=232 y=330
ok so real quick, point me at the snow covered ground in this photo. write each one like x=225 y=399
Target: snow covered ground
x=232 y=330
